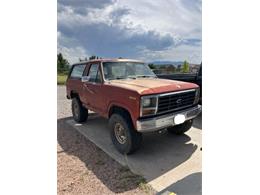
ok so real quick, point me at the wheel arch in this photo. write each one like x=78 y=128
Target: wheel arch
x=74 y=94
x=115 y=108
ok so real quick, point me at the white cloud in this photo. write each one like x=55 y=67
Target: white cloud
x=183 y=52
x=179 y=19
x=70 y=48
x=164 y=16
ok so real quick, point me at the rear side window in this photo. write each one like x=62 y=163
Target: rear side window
x=77 y=71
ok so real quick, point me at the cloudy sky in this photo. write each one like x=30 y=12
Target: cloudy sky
x=148 y=30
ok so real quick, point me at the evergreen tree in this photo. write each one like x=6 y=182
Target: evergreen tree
x=152 y=66
x=185 y=67
x=62 y=64
x=93 y=57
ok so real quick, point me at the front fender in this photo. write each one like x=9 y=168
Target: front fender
x=127 y=108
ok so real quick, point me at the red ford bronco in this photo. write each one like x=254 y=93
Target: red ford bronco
x=134 y=100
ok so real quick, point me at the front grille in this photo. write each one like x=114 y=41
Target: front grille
x=175 y=101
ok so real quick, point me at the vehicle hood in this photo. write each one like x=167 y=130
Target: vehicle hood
x=145 y=86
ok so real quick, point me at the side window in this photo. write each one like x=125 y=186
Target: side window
x=94 y=74
x=77 y=71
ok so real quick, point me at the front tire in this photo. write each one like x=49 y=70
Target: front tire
x=123 y=135
x=80 y=113
x=180 y=129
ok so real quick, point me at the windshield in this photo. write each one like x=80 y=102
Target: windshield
x=126 y=70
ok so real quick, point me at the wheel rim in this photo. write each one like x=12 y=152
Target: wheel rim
x=120 y=133
x=76 y=110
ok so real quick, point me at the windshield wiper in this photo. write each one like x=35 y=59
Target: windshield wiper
x=145 y=76
x=117 y=78
x=120 y=78
x=131 y=77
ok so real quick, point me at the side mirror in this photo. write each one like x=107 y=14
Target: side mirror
x=85 y=79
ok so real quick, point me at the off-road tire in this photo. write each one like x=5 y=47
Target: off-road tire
x=80 y=113
x=180 y=129
x=133 y=138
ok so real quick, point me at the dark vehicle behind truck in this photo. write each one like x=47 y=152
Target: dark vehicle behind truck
x=187 y=77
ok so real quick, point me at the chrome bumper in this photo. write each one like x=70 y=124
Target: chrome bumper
x=160 y=122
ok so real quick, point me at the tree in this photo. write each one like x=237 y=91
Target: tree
x=62 y=64
x=162 y=67
x=170 y=69
x=152 y=66
x=178 y=69
x=93 y=57
x=185 y=67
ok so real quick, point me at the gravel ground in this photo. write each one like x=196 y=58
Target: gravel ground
x=83 y=168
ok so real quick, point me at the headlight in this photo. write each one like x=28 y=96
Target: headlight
x=148 y=105
x=197 y=96
x=147 y=102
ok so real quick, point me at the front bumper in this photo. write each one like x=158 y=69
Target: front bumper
x=160 y=122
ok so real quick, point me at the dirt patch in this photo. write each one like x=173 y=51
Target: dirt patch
x=82 y=168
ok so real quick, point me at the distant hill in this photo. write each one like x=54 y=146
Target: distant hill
x=166 y=62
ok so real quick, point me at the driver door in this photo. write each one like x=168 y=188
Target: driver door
x=93 y=88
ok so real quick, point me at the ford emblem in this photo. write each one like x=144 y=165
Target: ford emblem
x=179 y=101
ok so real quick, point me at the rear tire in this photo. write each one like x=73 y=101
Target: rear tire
x=80 y=113
x=123 y=135
x=180 y=129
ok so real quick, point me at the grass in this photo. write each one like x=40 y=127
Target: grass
x=144 y=186
x=100 y=162
x=127 y=176
x=83 y=175
x=61 y=79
